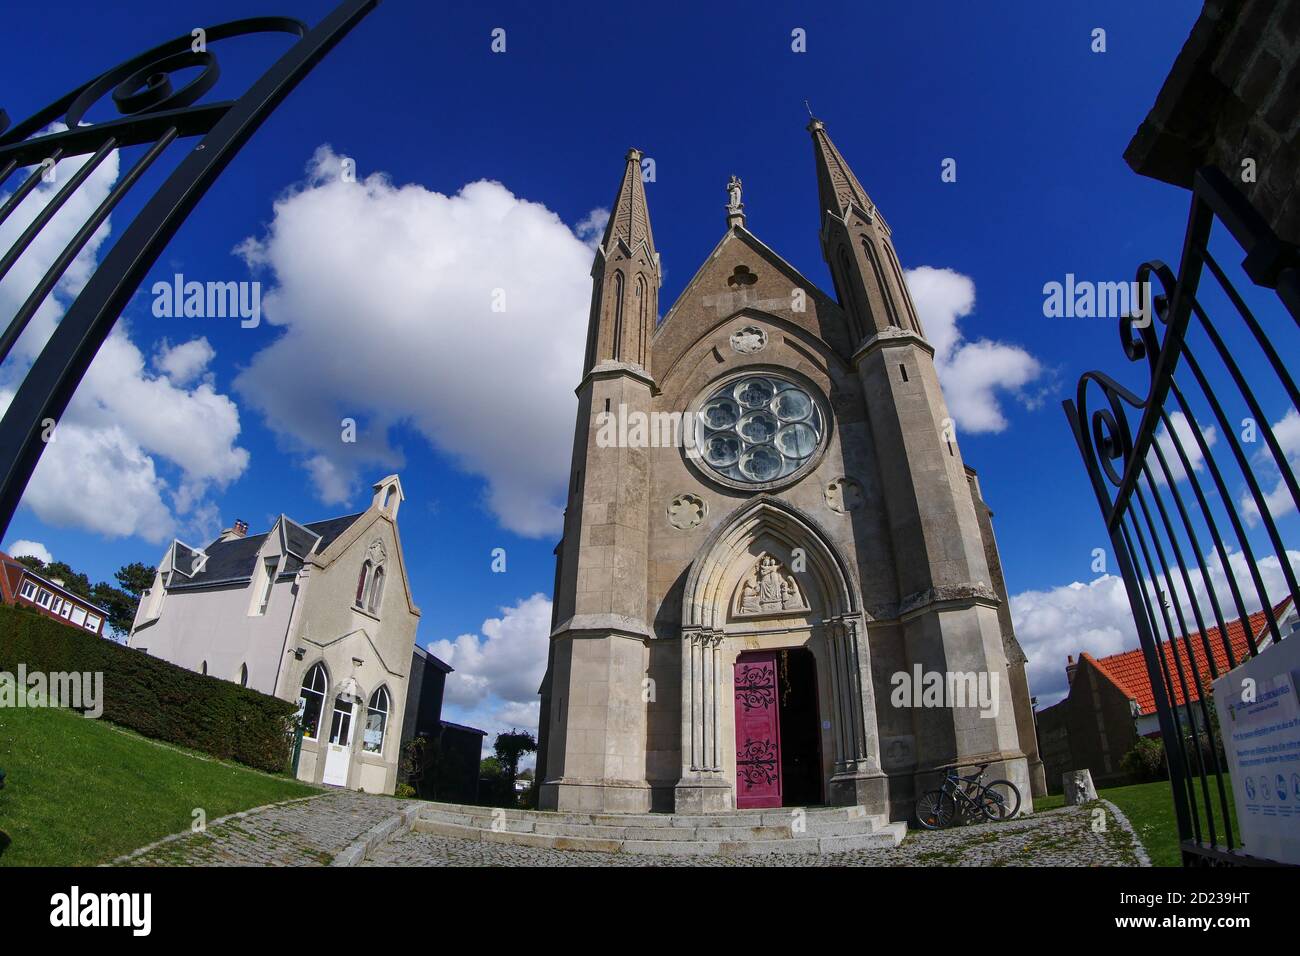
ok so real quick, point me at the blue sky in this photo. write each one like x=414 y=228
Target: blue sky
x=1036 y=122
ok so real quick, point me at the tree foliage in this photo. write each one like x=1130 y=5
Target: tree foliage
x=510 y=747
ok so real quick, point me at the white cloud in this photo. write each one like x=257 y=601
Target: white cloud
x=497 y=673
x=185 y=362
x=25 y=548
x=1095 y=616
x=1076 y=617
x=973 y=373
x=1278 y=501
x=385 y=297
x=591 y=229
x=506 y=661
x=99 y=479
x=1186 y=437
x=102 y=470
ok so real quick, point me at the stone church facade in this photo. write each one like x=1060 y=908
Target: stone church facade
x=736 y=608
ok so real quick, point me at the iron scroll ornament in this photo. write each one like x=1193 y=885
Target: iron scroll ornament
x=755 y=689
x=756 y=763
x=153 y=111
x=1109 y=439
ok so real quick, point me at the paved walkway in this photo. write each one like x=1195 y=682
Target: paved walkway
x=312 y=832
x=307 y=832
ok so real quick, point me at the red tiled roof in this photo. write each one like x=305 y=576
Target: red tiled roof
x=1128 y=669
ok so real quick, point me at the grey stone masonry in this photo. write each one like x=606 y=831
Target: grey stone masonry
x=1078 y=787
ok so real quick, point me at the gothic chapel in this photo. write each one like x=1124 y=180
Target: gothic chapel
x=733 y=615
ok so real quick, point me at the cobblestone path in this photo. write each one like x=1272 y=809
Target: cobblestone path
x=300 y=833
x=312 y=832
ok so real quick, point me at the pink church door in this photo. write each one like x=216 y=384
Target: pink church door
x=758 y=732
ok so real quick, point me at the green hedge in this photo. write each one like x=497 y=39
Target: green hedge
x=152 y=696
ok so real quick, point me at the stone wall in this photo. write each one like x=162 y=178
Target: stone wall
x=1233 y=94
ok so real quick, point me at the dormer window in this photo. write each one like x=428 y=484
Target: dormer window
x=268 y=581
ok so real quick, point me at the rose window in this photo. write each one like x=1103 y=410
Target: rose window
x=759 y=429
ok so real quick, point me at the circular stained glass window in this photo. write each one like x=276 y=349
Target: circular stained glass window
x=759 y=429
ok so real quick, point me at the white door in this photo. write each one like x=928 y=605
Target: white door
x=338 y=753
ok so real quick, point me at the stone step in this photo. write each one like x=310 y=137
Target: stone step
x=707 y=828
x=813 y=817
x=886 y=836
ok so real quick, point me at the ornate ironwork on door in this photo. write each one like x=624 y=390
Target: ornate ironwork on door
x=154 y=116
x=1193 y=477
x=758 y=732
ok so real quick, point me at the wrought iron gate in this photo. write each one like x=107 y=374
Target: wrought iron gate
x=1192 y=564
x=154 y=116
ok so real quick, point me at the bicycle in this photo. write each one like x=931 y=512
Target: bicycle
x=967 y=799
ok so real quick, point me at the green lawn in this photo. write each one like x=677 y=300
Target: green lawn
x=81 y=792
x=1150 y=808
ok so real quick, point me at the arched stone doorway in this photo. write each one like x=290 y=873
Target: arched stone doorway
x=766 y=583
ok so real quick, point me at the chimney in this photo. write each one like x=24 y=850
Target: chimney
x=1070 y=668
x=238 y=531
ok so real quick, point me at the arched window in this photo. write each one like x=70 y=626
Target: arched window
x=618 y=316
x=850 y=298
x=377 y=590
x=312 y=699
x=204 y=669
x=243 y=675
x=388 y=495
x=643 y=332
x=376 y=721
x=886 y=294
x=362 y=581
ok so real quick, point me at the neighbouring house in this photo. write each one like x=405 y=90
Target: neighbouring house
x=319 y=613
x=448 y=770
x=23 y=587
x=1110 y=703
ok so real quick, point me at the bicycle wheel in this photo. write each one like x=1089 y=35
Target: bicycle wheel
x=935 y=810
x=1000 y=800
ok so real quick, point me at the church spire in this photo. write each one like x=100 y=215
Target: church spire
x=625 y=279
x=629 y=217
x=858 y=249
x=837 y=187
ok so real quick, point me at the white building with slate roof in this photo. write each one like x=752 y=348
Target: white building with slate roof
x=318 y=613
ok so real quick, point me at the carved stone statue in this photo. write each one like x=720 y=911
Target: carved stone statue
x=769 y=589
x=733 y=194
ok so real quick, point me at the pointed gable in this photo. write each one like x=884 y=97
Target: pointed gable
x=744 y=275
